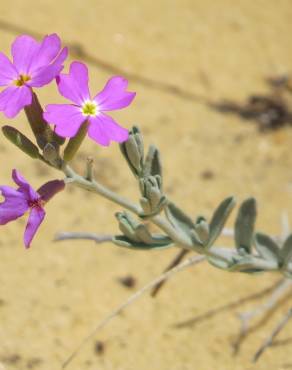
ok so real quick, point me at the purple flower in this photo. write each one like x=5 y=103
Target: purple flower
x=69 y=117
x=18 y=201
x=35 y=64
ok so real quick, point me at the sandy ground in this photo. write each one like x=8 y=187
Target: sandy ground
x=52 y=295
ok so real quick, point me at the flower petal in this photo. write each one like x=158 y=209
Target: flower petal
x=24 y=186
x=61 y=57
x=103 y=129
x=113 y=96
x=23 y=50
x=14 y=205
x=13 y=99
x=46 y=74
x=48 y=190
x=7 y=71
x=36 y=217
x=47 y=52
x=74 y=86
x=67 y=118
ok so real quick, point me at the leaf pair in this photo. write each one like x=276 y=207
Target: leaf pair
x=133 y=152
x=137 y=236
x=271 y=251
x=245 y=225
x=200 y=232
x=153 y=200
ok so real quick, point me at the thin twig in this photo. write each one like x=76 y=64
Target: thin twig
x=189 y=262
x=82 y=236
x=282 y=342
x=269 y=305
x=214 y=311
x=269 y=340
x=177 y=259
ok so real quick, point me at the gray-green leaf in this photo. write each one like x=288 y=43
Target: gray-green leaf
x=152 y=165
x=267 y=247
x=21 y=141
x=244 y=225
x=219 y=219
x=159 y=242
x=218 y=262
x=179 y=219
x=133 y=151
x=286 y=251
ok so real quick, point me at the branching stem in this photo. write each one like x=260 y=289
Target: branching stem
x=222 y=253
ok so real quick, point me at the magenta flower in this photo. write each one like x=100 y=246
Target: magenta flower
x=18 y=201
x=68 y=118
x=35 y=64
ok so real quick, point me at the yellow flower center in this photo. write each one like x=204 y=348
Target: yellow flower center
x=89 y=108
x=22 y=79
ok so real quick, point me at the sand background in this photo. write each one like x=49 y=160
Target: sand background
x=52 y=295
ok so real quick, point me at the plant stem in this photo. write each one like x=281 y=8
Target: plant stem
x=225 y=254
x=95 y=187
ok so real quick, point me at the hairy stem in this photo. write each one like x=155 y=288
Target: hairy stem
x=181 y=240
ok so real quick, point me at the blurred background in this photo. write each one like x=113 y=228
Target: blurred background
x=213 y=93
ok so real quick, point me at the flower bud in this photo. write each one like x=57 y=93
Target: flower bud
x=40 y=128
x=133 y=151
x=152 y=200
x=21 y=141
x=75 y=142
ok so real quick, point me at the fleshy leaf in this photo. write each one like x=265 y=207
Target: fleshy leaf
x=244 y=225
x=21 y=141
x=219 y=219
x=127 y=225
x=245 y=264
x=137 y=235
x=123 y=241
x=152 y=165
x=152 y=201
x=180 y=220
x=143 y=234
x=218 y=262
x=267 y=247
x=202 y=229
x=133 y=151
x=196 y=239
x=286 y=251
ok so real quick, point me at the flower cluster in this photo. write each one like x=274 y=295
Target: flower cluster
x=35 y=64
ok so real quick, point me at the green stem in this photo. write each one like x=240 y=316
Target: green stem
x=223 y=253
x=95 y=187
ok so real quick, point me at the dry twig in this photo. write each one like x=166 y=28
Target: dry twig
x=194 y=260
x=269 y=340
x=246 y=317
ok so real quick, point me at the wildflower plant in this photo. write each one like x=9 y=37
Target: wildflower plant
x=58 y=132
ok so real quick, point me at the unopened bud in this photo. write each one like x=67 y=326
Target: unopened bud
x=133 y=151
